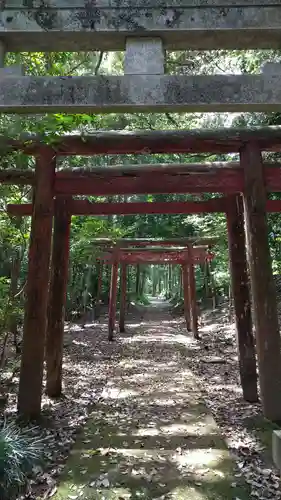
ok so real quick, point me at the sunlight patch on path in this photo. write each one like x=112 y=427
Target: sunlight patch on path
x=150 y=436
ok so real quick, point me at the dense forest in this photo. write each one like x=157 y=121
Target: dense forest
x=84 y=268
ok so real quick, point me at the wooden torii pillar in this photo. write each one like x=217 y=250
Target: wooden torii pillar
x=57 y=298
x=262 y=284
x=241 y=297
x=186 y=295
x=35 y=319
x=189 y=294
x=123 y=296
x=192 y=294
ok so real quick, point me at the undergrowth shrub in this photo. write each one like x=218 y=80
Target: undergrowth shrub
x=143 y=300
x=20 y=451
x=176 y=299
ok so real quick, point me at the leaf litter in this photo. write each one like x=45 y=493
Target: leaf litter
x=247 y=433
x=88 y=384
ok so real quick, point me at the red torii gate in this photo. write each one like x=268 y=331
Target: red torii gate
x=235 y=225
x=252 y=177
x=217 y=177
x=186 y=257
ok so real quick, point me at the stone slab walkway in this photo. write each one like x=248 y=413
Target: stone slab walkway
x=150 y=435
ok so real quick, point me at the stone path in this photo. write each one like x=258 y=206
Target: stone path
x=150 y=435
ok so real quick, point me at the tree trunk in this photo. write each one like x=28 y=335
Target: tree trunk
x=13 y=320
x=170 y=279
x=99 y=291
x=154 y=281
x=137 y=280
x=180 y=281
x=165 y=279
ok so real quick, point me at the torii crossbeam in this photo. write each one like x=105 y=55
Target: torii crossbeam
x=224 y=177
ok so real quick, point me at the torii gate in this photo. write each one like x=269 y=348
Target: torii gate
x=186 y=256
x=251 y=177
x=145 y=32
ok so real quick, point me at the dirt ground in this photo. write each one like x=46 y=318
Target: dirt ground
x=154 y=415
x=151 y=435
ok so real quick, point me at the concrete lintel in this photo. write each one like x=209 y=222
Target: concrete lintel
x=144 y=56
x=129 y=93
x=271 y=68
x=2 y=53
x=104 y=25
x=129 y=4
x=13 y=70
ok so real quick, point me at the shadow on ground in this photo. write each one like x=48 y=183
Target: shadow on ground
x=149 y=435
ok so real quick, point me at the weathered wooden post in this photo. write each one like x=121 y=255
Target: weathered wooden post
x=35 y=320
x=241 y=297
x=123 y=290
x=262 y=284
x=192 y=295
x=57 y=298
x=185 y=283
x=113 y=295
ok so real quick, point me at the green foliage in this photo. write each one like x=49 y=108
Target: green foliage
x=20 y=452
x=4 y=301
x=83 y=276
x=143 y=300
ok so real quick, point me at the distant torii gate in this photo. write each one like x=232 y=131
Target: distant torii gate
x=187 y=257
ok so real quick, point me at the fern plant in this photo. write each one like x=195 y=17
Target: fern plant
x=19 y=453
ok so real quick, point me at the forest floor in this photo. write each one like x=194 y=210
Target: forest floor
x=154 y=415
x=151 y=435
